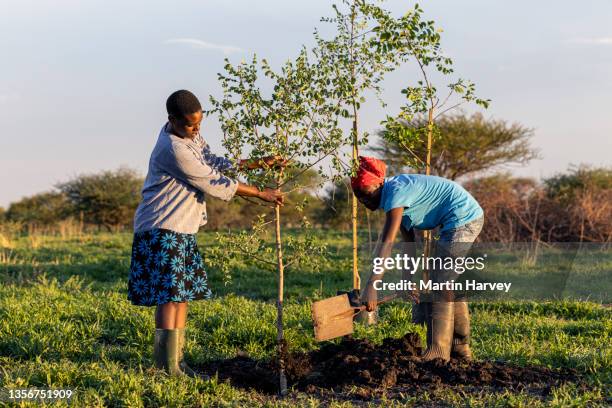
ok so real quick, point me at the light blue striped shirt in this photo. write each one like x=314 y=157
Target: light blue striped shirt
x=181 y=171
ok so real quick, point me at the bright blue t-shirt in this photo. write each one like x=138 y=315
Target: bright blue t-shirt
x=429 y=201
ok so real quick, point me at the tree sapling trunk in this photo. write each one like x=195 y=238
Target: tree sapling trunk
x=280 y=339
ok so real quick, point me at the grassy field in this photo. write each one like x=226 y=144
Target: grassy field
x=65 y=322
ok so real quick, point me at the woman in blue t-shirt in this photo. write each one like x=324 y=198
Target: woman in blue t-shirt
x=424 y=202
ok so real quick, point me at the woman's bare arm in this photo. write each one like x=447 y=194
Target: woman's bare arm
x=393 y=222
x=268 y=194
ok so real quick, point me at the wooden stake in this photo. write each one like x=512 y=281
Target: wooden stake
x=279 y=254
x=280 y=343
x=427 y=234
x=280 y=336
x=356 y=279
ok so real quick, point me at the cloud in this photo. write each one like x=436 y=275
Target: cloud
x=593 y=41
x=203 y=45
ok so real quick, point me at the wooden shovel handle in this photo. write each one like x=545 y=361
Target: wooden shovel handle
x=386 y=299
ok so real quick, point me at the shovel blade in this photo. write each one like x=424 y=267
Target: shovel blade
x=332 y=317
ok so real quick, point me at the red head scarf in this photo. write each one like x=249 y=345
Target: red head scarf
x=371 y=172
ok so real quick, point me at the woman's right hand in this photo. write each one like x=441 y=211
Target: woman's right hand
x=272 y=196
x=370 y=297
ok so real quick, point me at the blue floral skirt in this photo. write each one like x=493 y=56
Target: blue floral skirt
x=166 y=266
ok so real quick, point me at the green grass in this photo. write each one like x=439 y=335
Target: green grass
x=65 y=322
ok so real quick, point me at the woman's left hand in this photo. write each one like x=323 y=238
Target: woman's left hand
x=275 y=161
x=272 y=196
x=370 y=297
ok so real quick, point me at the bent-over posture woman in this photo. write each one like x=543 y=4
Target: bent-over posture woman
x=424 y=202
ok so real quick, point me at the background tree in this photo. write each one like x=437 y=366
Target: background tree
x=107 y=199
x=297 y=122
x=462 y=145
x=41 y=209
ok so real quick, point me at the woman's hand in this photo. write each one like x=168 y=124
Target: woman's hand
x=269 y=161
x=370 y=297
x=276 y=161
x=268 y=194
x=272 y=196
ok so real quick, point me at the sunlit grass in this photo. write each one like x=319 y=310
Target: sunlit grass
x=65 y=322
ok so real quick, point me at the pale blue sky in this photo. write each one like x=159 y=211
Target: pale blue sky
x=83 y=83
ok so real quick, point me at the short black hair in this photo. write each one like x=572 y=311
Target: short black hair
x=182 y=103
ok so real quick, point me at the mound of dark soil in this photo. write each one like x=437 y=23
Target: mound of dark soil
x=359 y=364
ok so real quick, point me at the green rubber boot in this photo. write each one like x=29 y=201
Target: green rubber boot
x=461 y=333
x=441 y=328
x=181 y=355
x=166 y=351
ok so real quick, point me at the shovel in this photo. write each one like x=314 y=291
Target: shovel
x=333 y=317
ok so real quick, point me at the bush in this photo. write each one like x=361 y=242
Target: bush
x=578 y=180
x=503 y=199
x=107 y=199
x=570 y=207
x=585 y=194
x=40 y=210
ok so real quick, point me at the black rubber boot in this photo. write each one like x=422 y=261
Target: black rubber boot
x=441 y=329
x=461 y=333
x=166 y=350
x=181 y=355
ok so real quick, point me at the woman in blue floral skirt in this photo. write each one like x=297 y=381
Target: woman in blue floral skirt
x=166 y=268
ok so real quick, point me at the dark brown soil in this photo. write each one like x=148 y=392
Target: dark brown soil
x=368 y=370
